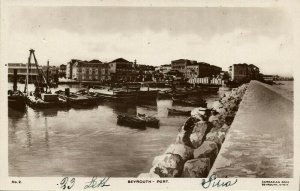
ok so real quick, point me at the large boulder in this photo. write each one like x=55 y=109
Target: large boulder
x=167 y=165
x=183 y=137
x=148 y=175
x=196 y=168
x=199 y=132
x=184 y=151
x=224 y=128
x=200 y=113
x=216 y=120
x=217 y=137
x=208 y=149
x=216 y=105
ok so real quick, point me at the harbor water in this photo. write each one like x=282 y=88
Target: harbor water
x=88 y=142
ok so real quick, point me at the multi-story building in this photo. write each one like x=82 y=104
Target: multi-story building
x=122 y=70
x=180 y=65
x=243 y=72
x=22 y=69
x=69 y=69
x=192 y=71
x=165 y=68
x=87 y=70
x=204 y=69
x=215 y=70
x=62 y=70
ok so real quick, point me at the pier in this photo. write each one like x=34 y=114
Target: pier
x=260 y=140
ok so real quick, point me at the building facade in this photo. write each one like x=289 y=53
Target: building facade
x=122 y=70
x=165 y=68
x=192 y=71
x=93 y=70
x=243 y=72
x=180 y=65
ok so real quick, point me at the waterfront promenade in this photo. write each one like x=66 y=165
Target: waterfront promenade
x=260 y=140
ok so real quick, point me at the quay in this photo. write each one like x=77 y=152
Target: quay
x=259 y=142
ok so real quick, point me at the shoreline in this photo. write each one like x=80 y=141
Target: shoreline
x=199 y=140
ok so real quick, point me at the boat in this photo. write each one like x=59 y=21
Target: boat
x=117 y=95
x=89 y=94
x=76 y=100
x=16 y=99
x=190 y=102
x=42 y=97
x=149 y=120
x=164 y=95
x=147 y=95
x=45 y=101
x=131 y=121
x=175 y=112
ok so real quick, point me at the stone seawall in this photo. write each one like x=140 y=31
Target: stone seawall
x=260 y=142
x=199 y=140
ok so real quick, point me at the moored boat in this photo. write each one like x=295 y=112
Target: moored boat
x=76 y=100
x=42 y=97
x=131 y=121
x=149 y=120
x=175 y=112
x=16 y=100
x=46 y=101
x=190 y=102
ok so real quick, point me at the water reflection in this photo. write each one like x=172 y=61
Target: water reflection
x=52 y=142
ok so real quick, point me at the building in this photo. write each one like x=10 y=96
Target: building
x=22 y=69
x=243 y=72
x=69 y=69
x=180 y=65
x=192 y=71
x=145 y=72
x=165 y=68
x=93 y=70
x=62 y=70
x=122 y=70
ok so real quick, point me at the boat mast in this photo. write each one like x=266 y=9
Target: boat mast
x=26 y=81
x=37 y=67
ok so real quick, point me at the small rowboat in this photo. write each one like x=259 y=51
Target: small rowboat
x=131 y=121
x=176 y=112
x=149 y=120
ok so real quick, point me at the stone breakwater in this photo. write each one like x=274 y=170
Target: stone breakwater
x=199 y=140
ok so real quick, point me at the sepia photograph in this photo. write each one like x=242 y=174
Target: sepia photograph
x=149 y=92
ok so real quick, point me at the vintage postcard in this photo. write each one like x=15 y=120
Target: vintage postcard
x=149 y=95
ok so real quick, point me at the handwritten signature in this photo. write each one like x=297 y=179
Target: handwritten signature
x=96 y=183
x=213 y=182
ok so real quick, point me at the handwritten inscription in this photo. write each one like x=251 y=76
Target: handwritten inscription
x=96 y=183
x=66 y=183
x=213 y=182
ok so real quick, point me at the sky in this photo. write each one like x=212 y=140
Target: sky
x=221 y=36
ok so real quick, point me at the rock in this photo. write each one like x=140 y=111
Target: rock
x=184 y=151
x=222 y=111
x=217 y=137
x=224 y=128
x=197 y=168
x=208 y=149
x=216 y=120
x=200 y=113
x=148 y=175
x=229 y=119
x=216 y=105
x=200 y=130
x=183 y=137
x=190 y=123
x=167 y=165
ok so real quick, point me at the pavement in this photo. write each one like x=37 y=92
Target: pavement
x=260 y=140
